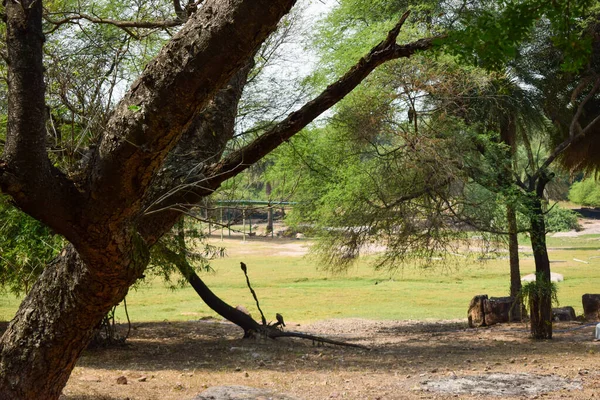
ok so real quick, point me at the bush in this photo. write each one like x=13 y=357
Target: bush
x=586 y=193
x=560 y=219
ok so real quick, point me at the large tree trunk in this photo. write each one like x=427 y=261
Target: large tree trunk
x=57 y=319
x=540 y=300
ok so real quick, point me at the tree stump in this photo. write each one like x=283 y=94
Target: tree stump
x=563 y=314
x=484 y=311
x=476 y=313
x=497 y=310
x=591 y=306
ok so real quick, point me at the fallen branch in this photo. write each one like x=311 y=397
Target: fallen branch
x=319 y=339
x=251 y=327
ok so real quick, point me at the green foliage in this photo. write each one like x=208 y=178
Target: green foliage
x=492 y=35
x=539 y=289
x=560 y=219
x=26 y=246
x=586 y=193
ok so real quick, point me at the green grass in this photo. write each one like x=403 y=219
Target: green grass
x=294 y=287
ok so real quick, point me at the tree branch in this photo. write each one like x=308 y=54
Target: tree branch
x=125 y=25
x=387 y=50
x=26 y=173
x=174 y=87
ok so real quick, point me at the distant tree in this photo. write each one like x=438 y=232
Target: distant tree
x=467 y=164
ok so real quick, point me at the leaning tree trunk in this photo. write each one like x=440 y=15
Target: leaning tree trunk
x=540 y=301
x=57 y=319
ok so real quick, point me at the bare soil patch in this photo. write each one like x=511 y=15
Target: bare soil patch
x=178 y=360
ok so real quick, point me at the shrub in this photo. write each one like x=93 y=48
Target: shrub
x=586 y=193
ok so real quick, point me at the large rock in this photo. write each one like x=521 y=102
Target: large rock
x=240 y=393
x=484 y=311
x=591 y=306
x=563 y=314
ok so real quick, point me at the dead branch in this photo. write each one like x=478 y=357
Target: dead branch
x=76 y=17
x=262 y=315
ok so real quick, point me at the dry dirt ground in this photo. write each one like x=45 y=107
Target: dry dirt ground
x=407 y=360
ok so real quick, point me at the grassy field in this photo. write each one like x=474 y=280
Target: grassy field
x=291 y=284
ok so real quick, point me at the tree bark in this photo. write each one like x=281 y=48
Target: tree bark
x=515 y=271
x=57 y=319
x=540 y=300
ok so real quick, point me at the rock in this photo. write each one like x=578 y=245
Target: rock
x=484 y=311
x=563 y=314
x=122 y=380
x=554 y=277
x=591 y=306
x=237 y=392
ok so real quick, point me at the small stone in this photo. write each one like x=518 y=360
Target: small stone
x=246 y=374
x=122 y=380
x=179 y=387
x=143 y=379
x=238 y=369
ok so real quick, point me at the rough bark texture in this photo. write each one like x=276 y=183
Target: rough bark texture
x=25 y=171
x=497 y=310
x=179 y=184
x=212 y=46
x=56 y=320
x=476 y=313
x=484 y=311
x=540 y=307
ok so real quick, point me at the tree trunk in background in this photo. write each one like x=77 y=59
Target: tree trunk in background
x=515 y=271
x=268 y=190
x=541 y=299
